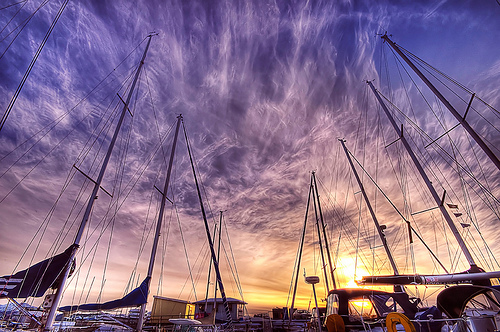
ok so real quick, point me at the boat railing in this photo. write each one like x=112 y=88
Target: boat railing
x=470 y=324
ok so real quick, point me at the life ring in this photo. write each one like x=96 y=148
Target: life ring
x=335 y=323
x=394 y=318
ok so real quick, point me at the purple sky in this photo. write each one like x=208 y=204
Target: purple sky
x=266 y=89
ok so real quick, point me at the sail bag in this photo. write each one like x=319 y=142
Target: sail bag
x=35 y=280
x=135 y=298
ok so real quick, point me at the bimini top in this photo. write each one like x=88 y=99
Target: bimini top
x=452 y=300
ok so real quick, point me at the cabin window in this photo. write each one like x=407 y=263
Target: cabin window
x=332 y=304
x=385 y=304
x=361 y=308
x=482 y=302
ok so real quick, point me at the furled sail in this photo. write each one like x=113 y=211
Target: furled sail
x=135 y=298
x=475 y=275
x=35 y=280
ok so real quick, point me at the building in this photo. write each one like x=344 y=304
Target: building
x=165 y=308
x=204 y=308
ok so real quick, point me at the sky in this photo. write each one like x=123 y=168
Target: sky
x=266 y=89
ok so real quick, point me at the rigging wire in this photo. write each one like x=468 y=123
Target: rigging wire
x=13 y=4
x=486 y=245
x=343 y=224
x=24 y=23
x=117 y=208
x=50 y=127
x=100 y=86
x=485 y=190
x=55 y=246
x=430 y=69
x=428 y=104
x=30 y=67
x=454 y=158
x=203 y=188
x=44 y=225
x=298 y=255
x=105 y=226
x=401 y=176
x=186 y=254
x=387 y=198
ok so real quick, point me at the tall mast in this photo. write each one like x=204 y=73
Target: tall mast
x=374 y=217
x=301 y=246
x=140 y=322
x=209 y=273
x=372 y=213
x=320 y=243
x=210 y=242
x=93 y=197
x=447 y=104
x=427 y=181
x=218 y=260
x=327 y=247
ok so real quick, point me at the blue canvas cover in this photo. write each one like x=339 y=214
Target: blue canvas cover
x=135 y=298
x=35 y=280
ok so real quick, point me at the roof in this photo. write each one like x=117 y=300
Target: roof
x=170 y=299
x=219 y=300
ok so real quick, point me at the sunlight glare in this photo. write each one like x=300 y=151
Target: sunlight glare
x=348 y=272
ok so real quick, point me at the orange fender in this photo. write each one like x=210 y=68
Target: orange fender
x=394 y=318
x=335 y=323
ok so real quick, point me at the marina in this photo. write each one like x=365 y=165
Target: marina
x=269 y=167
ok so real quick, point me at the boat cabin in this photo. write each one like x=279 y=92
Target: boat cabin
x=358 y=305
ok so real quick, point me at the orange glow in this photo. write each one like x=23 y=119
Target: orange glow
x=348 y=272
x=361 y=307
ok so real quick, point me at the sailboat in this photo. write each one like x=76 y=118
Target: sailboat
x=470 y=303
x=54 y=272
x=348 y=309
x=366 y=309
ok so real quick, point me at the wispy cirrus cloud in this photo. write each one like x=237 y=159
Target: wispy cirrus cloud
x=266 y=89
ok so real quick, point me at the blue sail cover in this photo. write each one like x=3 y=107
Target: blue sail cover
x=35 y=280
x=135 y=298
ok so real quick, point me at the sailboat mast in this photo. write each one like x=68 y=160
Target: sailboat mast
x=427 y=181
x=446 y=103
x=218 y=260
x=93 y=197
x=327 y=247
x=368 y=204
x=142 y=313
x=320 y=243
x=210 y=242
x=301 y=246
x=209 y=273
